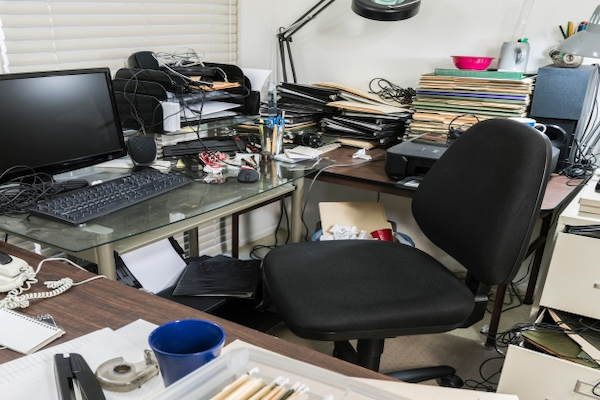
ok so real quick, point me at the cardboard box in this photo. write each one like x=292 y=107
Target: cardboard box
x=367 y=216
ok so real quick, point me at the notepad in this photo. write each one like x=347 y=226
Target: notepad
x=25 y=334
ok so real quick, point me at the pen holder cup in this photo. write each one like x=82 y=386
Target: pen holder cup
x=271 y=140
x=185 y=345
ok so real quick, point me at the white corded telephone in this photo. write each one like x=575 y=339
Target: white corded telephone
x=16 y=276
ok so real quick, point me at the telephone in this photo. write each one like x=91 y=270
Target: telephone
x=14 y=272
x=16 y=276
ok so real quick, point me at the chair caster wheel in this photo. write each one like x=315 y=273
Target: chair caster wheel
x=451 y=381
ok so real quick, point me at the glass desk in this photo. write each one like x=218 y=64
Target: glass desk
x=180 y=210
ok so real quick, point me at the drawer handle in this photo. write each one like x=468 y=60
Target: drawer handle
x=587 y=389
x=597 y=285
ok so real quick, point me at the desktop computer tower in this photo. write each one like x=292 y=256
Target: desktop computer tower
x=564 y=97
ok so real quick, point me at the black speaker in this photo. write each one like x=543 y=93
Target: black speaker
x=142 y=150
x=143 y=60
x=564 y=97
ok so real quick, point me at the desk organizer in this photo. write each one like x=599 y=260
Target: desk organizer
x=208 y=380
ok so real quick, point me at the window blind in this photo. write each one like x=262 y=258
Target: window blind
x=48 y=35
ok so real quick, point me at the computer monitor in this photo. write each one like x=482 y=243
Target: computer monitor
x=57 y=121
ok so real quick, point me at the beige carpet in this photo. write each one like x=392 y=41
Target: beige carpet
x=463 y=349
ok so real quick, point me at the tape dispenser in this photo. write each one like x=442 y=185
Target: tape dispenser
x=118 y=375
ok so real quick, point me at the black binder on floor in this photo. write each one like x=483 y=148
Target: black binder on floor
x=219 y=276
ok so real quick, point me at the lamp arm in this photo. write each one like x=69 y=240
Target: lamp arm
x=285 y=35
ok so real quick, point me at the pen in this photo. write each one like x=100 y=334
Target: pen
x=562 y=31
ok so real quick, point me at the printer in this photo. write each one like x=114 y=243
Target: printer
x=414 y=158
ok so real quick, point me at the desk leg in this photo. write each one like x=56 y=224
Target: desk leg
x=193 y=242
x=105 y=258
x=495 y=320
x=235 y=235
x=297 y=197
x=537 y=261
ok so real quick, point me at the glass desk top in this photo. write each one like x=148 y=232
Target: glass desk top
x=177 y=205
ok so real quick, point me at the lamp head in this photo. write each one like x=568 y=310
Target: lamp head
x=584 y=43
x=386 y=10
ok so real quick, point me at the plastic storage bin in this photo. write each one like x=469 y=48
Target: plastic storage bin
x=208 y=380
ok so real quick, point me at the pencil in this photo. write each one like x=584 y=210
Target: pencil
x=227 y=390
x=274 y=141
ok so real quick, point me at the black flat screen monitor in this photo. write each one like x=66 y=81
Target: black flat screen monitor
x=57 y=121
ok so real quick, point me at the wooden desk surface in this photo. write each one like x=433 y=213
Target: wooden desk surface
x=371 y=176
x=103 y=303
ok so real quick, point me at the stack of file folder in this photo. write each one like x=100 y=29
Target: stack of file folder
x=302 y=105
x=363 y=119
x=442 y=97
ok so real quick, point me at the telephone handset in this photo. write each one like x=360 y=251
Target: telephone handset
x=14 y=272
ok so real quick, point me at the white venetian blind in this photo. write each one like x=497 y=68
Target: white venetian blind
x=65 y=34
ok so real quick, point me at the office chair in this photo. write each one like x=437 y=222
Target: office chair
x=479 y=203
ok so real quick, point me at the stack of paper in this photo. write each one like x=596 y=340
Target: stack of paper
x=441 y=98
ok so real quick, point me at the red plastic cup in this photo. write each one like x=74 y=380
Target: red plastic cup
x=383 y=234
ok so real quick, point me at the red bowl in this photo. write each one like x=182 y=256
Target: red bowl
x=476 y=63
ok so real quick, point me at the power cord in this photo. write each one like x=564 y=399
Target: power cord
x=20 y=193
x=388 y=91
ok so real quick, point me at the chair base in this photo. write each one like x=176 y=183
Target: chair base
x=368 y=355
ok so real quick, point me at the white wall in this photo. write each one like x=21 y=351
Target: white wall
x=343 y=47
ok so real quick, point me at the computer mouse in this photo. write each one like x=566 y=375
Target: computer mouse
x=248 y=176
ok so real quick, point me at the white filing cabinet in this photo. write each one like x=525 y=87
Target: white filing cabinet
x=572 y=284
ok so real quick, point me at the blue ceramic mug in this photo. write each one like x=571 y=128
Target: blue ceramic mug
x=185 y=345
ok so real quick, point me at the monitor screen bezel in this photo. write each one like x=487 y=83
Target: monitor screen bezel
x=83 y=161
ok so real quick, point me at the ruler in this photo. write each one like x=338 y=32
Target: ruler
x=522 y=21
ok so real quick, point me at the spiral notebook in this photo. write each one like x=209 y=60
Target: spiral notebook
x=25 y=334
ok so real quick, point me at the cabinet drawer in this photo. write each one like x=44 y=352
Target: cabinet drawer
x=573 y=281
x=536 y=376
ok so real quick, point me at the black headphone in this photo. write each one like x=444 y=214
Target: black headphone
x=454 y=133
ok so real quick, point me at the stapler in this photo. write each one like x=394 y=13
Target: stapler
x=74 y=378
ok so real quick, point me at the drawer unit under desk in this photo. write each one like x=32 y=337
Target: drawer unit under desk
x=573 y=281
x=536 y=376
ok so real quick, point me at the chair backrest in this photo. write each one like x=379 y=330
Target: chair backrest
x=480 y=201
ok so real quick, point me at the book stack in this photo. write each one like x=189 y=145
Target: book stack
x=363 y=119
x=449 y=94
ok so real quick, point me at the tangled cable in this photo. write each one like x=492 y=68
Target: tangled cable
x=391 y=92
x=19 y=193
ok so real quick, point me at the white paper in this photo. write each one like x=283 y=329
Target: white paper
x=126 y=163
x=156 y=266
x=209 y=107
x=257 y=77
x=33 y=377
x=171 y=116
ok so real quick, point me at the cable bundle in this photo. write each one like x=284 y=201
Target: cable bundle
x=18 y=194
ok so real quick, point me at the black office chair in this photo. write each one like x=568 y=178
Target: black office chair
x=479 y=203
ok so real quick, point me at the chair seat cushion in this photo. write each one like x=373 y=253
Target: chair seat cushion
x=355 y=289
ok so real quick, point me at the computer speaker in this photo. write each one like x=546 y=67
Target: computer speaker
x=143 y=60
x=556 y=134
x=142 y=150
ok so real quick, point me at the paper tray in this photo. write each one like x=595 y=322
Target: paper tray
x=211 y=378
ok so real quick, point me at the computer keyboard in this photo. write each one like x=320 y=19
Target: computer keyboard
x=82 y=205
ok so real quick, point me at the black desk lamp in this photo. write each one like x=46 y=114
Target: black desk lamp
x=379 y=10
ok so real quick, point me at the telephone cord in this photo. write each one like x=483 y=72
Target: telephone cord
x=14 y=298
